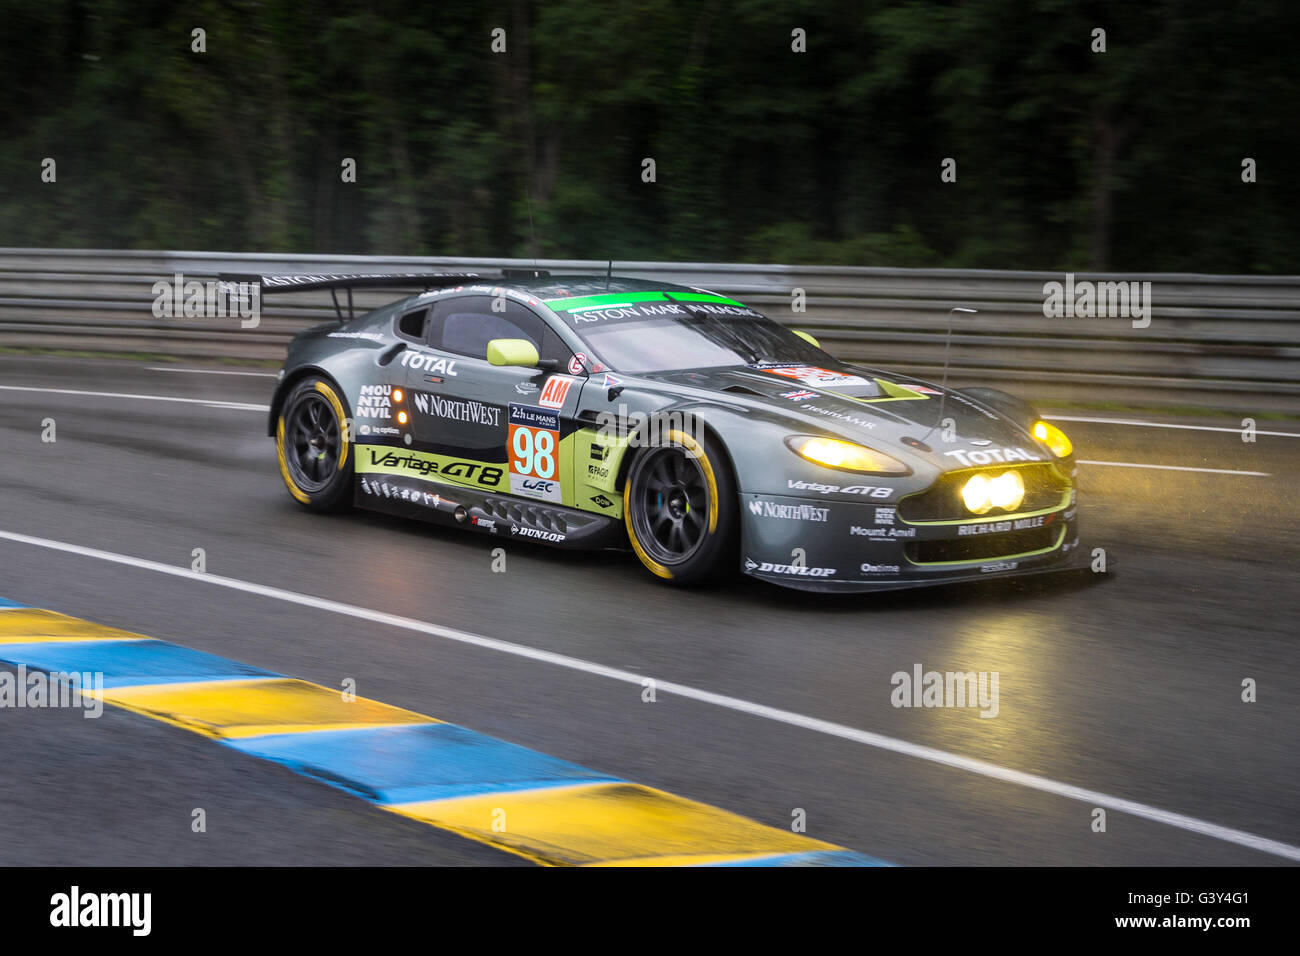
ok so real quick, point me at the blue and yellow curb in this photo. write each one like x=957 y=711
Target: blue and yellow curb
x=518 y=800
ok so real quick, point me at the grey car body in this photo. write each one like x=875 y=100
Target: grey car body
x=434 y=427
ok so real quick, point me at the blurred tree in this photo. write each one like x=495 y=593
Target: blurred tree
x=1066 y=157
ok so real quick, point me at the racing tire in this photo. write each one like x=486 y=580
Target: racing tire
x=313 y=446
x=679 y=506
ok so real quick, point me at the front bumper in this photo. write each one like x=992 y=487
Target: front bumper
x=836 y=545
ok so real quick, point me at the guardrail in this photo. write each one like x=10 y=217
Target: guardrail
x=1228 y=343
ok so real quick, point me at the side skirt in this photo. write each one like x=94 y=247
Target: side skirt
x=488 y=512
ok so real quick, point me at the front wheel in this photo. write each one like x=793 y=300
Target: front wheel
x=679 y=505
x=312 y=444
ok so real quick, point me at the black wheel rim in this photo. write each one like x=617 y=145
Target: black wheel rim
x=669 y=502
x=312 y=442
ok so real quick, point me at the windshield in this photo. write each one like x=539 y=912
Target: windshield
x=664 y=331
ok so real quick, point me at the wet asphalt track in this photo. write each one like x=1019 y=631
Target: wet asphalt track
x=1128 y=685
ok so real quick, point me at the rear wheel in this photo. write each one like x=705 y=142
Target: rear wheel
x=679 y=504
x=312 y=444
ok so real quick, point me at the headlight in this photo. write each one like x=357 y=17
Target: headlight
x=845 y=455
x=981 y=493
x=1053 y=438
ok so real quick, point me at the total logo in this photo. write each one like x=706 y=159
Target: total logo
x=992 y=455
x=428 y=363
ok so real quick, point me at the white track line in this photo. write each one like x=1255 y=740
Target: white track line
x=1195 y=428
x=208 y=371
x=245 y=406
x=1210 y=471
x=842 y=731
x=213 y=403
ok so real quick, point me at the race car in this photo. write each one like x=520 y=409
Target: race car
x=613 y=412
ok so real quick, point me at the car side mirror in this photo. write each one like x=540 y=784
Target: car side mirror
x=806 y=337
x=513 y=352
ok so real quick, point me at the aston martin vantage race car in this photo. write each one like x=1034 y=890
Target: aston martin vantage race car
x=607 y=412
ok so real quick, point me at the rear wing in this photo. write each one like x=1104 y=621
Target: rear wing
x=312 y=282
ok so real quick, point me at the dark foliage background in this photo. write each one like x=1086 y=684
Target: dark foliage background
x=1066 y=159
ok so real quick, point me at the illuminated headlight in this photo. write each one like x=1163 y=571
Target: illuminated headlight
x=846 y=456
x=982 y=493
x=1053 y=438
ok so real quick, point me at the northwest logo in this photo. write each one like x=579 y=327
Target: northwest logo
x=460 y=411
x=770 y=509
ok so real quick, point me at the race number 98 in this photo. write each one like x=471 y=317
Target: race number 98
x=532 y=451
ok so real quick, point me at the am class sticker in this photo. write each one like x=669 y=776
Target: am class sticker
x=555 y=391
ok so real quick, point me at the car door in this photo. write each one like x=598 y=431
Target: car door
x=502 y=426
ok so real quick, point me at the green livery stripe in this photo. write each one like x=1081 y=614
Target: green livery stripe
x=894 y=390
x=1060 y=536
x=395 y=460
x=1016 y=516
x=609 y=299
